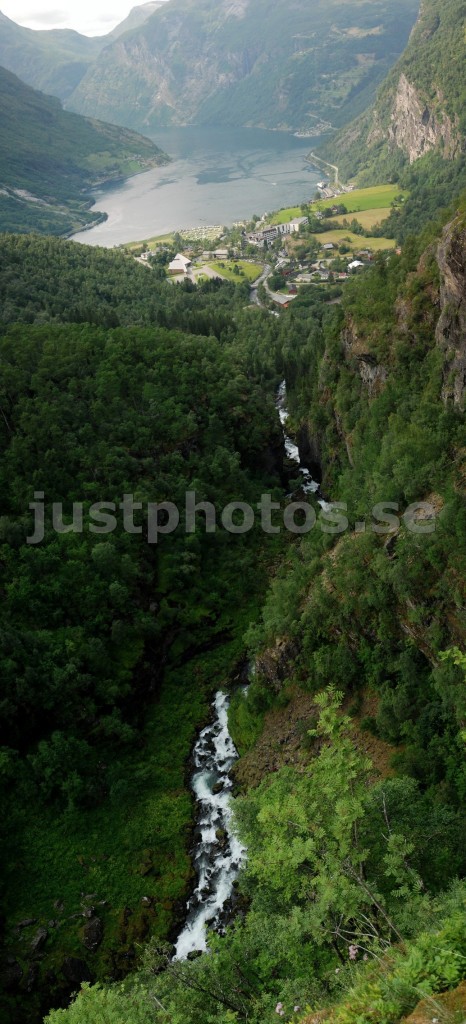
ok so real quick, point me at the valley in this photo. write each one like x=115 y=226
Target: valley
x=233 y=517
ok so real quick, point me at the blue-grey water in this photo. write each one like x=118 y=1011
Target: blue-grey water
x=217 y=176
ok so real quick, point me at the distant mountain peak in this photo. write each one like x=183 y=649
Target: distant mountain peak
x=136 y=17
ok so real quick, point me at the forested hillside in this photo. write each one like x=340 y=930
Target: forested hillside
x=125 y=399
x=50 y=159
x=114 y=384
x=352 y=777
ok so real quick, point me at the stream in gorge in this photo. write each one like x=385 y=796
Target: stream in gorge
x=218 y=853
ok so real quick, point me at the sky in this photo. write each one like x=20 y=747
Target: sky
x=91 y=17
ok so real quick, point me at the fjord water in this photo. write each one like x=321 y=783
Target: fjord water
x=217 y=176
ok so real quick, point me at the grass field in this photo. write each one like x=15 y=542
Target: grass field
x=367 y=218
x=356 y=242
x=377 y=198
x=149 y=243
x=283 y=216
x=251 y=271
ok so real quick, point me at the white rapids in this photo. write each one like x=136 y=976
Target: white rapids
x=218 y=854
x=308 y=486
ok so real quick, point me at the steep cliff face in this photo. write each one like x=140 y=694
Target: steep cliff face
x=372 y=373
x=420 y=108
x=416 y=128
x=451 y=328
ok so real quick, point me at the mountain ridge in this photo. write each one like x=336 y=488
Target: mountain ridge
x=200 y=61
x=55 y=60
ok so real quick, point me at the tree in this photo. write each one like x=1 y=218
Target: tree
x=304 y=837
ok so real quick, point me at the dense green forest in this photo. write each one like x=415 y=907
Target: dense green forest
x=50 y=159
x=115 y=383
x=352 y=776
x=124 y=400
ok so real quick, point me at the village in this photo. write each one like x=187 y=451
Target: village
x=321 y=243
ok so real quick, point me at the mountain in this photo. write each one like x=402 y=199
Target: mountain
x=247 y=62
x=52 y=60
x=50 y=158
x=136 y=17
x=55 y=60
x=421 y=107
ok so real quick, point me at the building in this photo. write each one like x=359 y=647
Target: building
x=269 y=232
x=293 y=225
x=328 y=246
x=355 y=265
x=180 y=265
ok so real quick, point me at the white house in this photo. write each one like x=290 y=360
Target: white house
x=180 y=265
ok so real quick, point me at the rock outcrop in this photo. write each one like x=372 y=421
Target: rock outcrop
x=93 y=933
x=273 y=664
x=416 y=128
x=372 y=373
x=419 y=107
x=451 y=327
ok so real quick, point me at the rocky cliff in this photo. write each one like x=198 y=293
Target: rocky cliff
x=416 y=128
x=420 y=108
x=451 y=328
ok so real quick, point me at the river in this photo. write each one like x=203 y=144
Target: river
x=218 y=853
x=217 y=176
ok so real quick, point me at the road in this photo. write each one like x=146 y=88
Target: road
x=260 y=280
x=318 y=160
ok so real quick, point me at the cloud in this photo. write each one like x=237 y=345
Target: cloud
x=46 y=17
x=91 y=17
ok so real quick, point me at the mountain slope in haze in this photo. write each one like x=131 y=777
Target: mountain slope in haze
x=240 y=62
x=51 y=60
x=50 y=158
x=136 y=17
x=421 y=107
x=55 y=60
